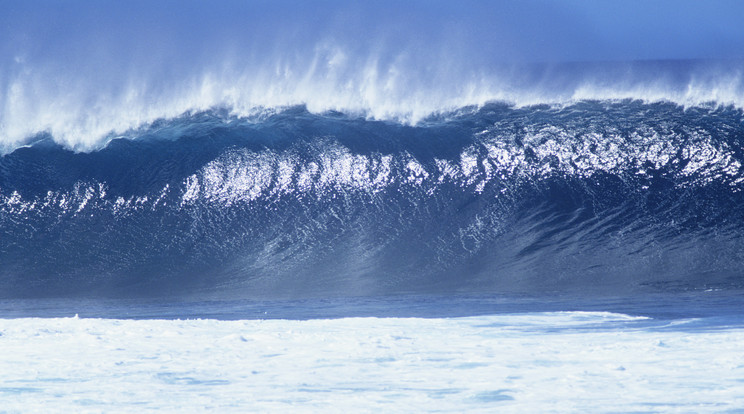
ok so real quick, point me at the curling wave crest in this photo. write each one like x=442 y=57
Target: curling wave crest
x=82 y=115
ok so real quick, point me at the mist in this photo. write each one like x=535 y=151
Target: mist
x=85 y=71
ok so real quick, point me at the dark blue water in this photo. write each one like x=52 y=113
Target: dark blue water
x=592 y=199
x=700 y=310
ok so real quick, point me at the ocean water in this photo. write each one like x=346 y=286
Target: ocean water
x=593 y=197
x=421 y=207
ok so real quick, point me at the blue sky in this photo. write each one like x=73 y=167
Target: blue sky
x=489 y=31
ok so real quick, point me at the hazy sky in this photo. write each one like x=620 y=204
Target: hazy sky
x=487 y=31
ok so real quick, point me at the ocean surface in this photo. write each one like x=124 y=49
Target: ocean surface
x=396 y=207
x=577 y=257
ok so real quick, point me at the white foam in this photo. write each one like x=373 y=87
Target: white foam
x=557 y=362
x=84 y=115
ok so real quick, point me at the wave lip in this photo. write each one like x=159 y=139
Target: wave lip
x=83 y=115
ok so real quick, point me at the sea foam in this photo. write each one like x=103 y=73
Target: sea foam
x=560 y=362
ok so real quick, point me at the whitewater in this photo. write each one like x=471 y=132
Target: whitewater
x=546 y=362
x=341 y=206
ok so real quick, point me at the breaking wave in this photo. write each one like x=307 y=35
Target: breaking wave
x=594 y=197
x=84 y=116
x=282 y=148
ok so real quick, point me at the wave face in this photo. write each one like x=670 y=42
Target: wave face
x=593 y=197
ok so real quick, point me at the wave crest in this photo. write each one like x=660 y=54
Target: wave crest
x=84 y=116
